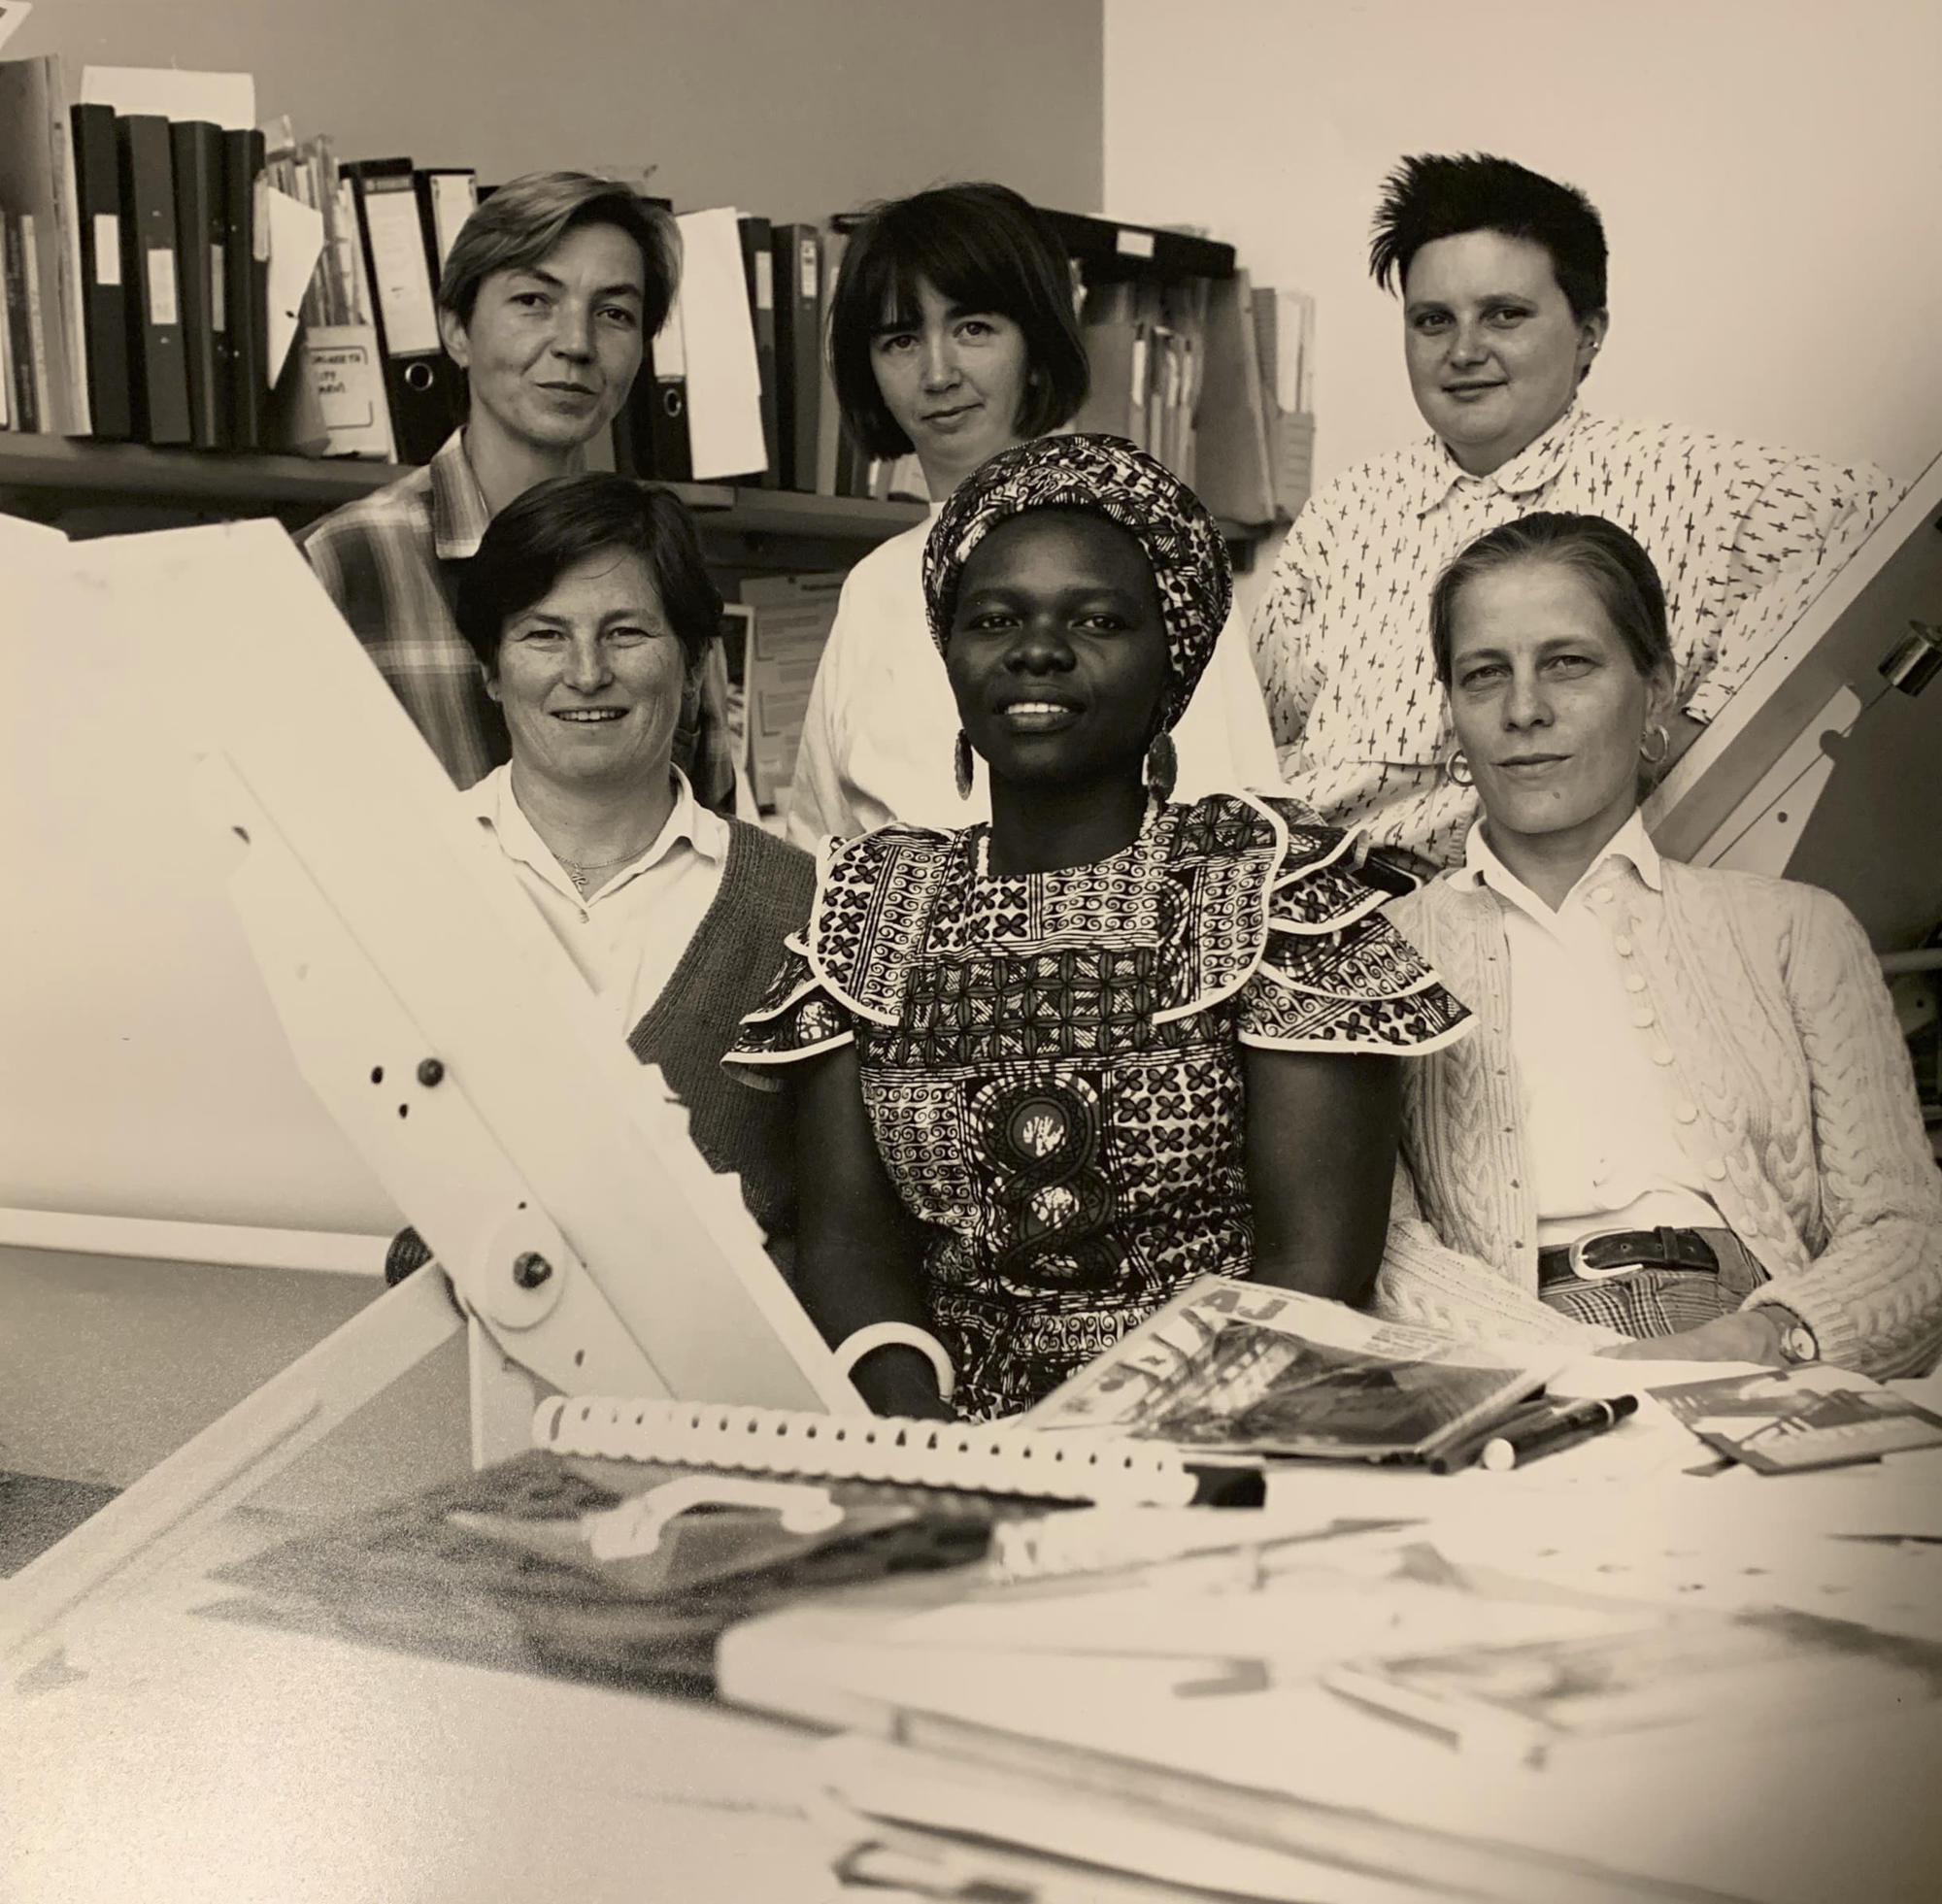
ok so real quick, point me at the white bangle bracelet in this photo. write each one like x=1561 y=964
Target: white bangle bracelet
x=883 y=1336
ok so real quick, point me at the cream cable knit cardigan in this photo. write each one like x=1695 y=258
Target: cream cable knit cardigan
x=1795 y=1102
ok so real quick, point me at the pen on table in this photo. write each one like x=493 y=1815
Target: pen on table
x=1460 y=1454
x=1517 y=1443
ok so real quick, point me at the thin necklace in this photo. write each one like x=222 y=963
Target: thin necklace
x=581 y=872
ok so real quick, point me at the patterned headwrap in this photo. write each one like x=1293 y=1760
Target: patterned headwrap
x=1105 y=475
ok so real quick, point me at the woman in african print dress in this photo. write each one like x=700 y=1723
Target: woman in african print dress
x=1051 y=1069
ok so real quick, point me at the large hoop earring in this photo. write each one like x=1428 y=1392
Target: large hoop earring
x=1162 y=768
x=962 y=765
x=1665 y=744
x=1458 y=768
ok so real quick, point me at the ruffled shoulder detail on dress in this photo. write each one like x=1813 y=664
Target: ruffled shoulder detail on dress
x=1334 y=974
x=1261 y=869
x=1282 y=917
x=796 y=1018
x=874 y=897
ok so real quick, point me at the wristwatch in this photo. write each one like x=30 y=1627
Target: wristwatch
x=1798 y=1343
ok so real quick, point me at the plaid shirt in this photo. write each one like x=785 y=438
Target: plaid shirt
x=1743 y=539
x=389 y=561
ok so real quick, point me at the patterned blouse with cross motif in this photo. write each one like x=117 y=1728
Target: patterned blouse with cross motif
x=1052 y=1062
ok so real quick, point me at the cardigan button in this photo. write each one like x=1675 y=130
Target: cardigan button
x=1623 y=945
x=1643 y=1017
x=1634 y=981
x=1716 y=1171
x=1661 y=1054
x=1687 y=1114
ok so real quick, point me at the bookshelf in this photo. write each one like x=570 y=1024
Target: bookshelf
x=98 y=488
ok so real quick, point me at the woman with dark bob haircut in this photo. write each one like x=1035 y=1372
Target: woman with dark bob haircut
x=1687 y=1124
x=951 y=336
x=589 y=609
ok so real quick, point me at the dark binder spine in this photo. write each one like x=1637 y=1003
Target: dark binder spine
x=425 y=386
x=798 y=268
x=759 y=277
x=151 y=270
x=97 y=172
x=196 y=151
x=247 y=286
x=24 y=409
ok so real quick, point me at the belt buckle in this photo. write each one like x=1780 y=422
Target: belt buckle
x=1574 y=1258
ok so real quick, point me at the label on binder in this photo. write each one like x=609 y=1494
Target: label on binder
x=807 y=271
x=162 y=309
x=1133 y=244
x=765 y=281
x=107 y=248
x=218 y=273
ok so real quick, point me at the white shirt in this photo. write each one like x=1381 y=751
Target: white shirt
x=880 y=734
x=1598 y=1115
x=628 y=937
x=1743 y=538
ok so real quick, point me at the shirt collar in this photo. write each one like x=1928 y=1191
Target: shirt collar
x=1437 y=472
x=491 y=802
x=1481 y=869
x=459 y=516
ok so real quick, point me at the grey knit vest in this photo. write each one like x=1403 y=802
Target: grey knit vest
x=766 y=889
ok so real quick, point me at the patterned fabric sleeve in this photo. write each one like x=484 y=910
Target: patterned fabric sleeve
x=797 y=1017
x=1335 y=975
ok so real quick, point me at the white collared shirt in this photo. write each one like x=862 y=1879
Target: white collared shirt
x=1598 y=1124
x=627 y=936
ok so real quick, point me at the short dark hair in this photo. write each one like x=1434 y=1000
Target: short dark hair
x=536 y=538
x=982 y=247
x=521 y=222
x=1619 y=571
x=1431 y=195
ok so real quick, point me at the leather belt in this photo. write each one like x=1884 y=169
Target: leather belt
x=1603 y=1252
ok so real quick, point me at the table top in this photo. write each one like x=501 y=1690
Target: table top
x=153 y=1751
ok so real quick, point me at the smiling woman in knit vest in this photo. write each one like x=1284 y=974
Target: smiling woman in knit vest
x=1688 y=1126
x=589 y=610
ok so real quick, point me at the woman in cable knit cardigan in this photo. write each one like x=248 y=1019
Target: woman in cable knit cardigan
x=1688 y=1126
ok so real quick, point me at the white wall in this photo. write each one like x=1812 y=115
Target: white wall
x=793 y=109
x=1769 y=172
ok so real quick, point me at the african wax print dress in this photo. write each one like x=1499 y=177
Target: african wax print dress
x=1052 y=1062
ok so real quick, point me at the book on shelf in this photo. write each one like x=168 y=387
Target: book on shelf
x=159 y=370
x=247 y=284
x=426 y=388
x=447 y=195
x=38 y=188
x=97 y=171
x=836 y=457
x=201 y=245
x=717 y=334
x=1244 y=1368
x=26 y=333
x=10 y=408
x=799 y=274
x=1235 y=479
x=759 y=277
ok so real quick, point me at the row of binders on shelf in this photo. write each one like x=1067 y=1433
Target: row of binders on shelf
x=162 y=255
x=136 y=263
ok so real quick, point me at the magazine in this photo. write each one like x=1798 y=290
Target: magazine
x=1239 y=1368
x=1790 y=1421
